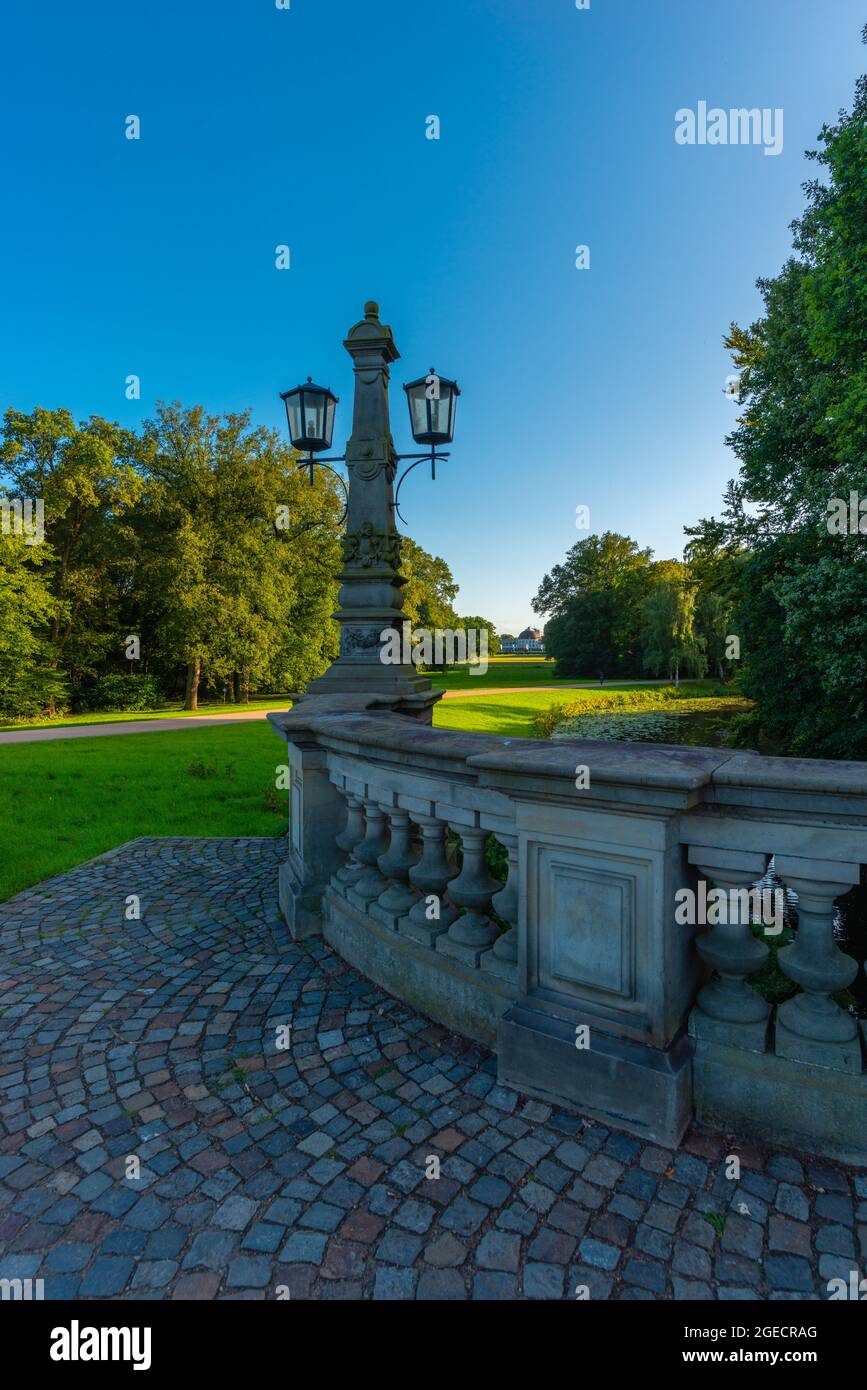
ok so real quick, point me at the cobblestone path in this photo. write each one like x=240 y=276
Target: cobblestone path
x=305 y=1170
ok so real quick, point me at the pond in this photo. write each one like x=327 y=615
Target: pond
x=707 y=729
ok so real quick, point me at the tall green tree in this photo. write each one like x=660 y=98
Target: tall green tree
x=235 y=562
x=801 y=440
x=29 y=681
x=595 y=599
x=87 y=478
x=430 y=589
x=669 y=641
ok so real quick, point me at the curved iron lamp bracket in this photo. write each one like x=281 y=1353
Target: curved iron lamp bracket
x=432 y=458
x=311 y=463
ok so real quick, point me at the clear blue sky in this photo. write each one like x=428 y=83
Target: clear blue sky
x=306 y=126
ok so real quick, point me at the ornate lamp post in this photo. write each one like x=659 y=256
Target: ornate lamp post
x=371 y=601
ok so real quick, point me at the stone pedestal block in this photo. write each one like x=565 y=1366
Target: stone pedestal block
x=637 y=1088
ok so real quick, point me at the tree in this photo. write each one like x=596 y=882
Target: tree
x=430 y=588
x=714 y=627
x=801 y=440
x=28 y=681
x=87 y=479
x=235 y=560
x=668 y=637
x=598 y=563
x=478 y=625
x=580 y=637
x=588 y=632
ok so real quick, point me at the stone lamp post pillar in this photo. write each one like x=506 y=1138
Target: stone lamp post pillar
x=371 y=601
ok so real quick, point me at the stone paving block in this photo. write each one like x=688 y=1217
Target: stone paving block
x=831 y=1207
x=791 y=1201
x=543 y=1281
x=518 y=1217
x=392 y=1284
x=597 y=1252
x=647 y=1274
x=742 y=1237
x=489 y=1285
x=441 y=1285
x=586 y=1282
x=552 y=1247
x=399 y=1247
x=445 y=1251
x=499 y=1250
x=463 y=1216
x=304 y=1247
x=790 y=1236
x=415 y=1216
x=789 y=1272
x=107 y=1277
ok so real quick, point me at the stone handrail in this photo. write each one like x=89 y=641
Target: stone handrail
x=592 y=995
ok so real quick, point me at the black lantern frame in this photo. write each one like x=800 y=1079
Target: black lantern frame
x=310 y=411
x=432 y=421
x=432 y=400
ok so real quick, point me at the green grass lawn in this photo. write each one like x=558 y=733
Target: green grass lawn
x=173 y=711
x=502 y=670
x=514 y=715
x=64 y=802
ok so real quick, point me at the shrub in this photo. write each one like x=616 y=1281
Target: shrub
x=119 y=692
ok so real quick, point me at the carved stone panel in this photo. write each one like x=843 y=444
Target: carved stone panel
x=360 y=640
x=371 y=548
x=594 y=943
x=590 y=932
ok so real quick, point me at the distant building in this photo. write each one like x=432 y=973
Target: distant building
x=528 y=641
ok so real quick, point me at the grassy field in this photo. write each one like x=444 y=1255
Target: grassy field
x=173 y=711
x=506 y=671
x=515 y=715
x=502 y=670
x=64 y=802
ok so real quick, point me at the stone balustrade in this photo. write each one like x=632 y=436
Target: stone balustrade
x=576 y=969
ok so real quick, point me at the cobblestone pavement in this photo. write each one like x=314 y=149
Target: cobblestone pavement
x=305 y=1169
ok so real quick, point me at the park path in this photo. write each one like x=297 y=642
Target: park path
x=130 y=726
x=155 y=726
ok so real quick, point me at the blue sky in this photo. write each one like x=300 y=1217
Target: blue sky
x=260 y=126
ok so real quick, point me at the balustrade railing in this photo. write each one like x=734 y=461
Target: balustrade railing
x=583 y=933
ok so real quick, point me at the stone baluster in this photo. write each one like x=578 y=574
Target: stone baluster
x=350 y=837
x=503 y=958
x=395 y=864
x=811 y=1027
x=432 y=914
x=474 y=932
x=727 y=1009
x=371 y=882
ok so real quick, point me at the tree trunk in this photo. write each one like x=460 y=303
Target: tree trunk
x=194 y=670
x=236 y=687
x=246 y=687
